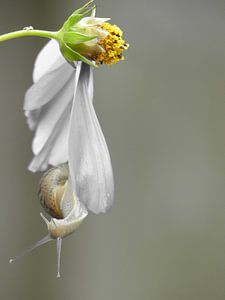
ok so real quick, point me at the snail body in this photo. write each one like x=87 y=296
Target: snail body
x=60 y=202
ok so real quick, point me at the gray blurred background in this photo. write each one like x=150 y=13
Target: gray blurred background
x=163 y=115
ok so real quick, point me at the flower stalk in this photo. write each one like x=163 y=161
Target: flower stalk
x=28 y=32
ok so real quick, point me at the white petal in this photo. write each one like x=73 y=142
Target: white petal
x=46 y=88
x=89 y=160
x=46 y=59
x=50 y=144
x=59 y=152
x=32 y=118
x=71 y=207
x=91 y=21
x=74 y=212
x=55 y=145
x=51 y=114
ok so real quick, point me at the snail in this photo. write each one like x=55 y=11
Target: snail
x=59 y=201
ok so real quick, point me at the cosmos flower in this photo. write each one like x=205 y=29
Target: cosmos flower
x=59 y=106
x=59 y=109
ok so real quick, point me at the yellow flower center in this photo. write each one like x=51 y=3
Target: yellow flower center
x=112 y=45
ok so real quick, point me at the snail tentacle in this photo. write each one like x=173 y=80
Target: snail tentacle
x=58 y=200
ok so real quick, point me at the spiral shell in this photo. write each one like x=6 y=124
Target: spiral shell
x=51 y=189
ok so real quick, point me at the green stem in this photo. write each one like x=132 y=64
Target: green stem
x=28 y=32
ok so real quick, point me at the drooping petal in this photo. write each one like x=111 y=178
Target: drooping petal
x=47 y=59
x=71 y=207
x=59 y=152
x=74 y=212
x=47 y=87
x=34 y=106
x=48 y=106
x=32 y=118
x=89 y=160
x=51 y=114
x=55 y=145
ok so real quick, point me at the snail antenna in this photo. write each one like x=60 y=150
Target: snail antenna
x=37 y=244
x=58 y=249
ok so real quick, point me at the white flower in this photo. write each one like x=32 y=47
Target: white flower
x=59 y=108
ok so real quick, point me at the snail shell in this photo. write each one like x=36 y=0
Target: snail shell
x=51 y=190
x=58 y=199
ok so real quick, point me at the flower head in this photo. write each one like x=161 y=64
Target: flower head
x=90 y=39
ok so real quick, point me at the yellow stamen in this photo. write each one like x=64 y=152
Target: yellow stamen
x=113 y=45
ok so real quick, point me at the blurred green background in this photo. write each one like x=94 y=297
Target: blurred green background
x=163 y=115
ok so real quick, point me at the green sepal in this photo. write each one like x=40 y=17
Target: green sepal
x=81 y=9
x=72 y=55
x=87 y=12
x=77 y=15
x=72 y=37
x=71 y=21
